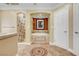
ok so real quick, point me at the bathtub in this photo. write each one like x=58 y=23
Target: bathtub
x=7 y=35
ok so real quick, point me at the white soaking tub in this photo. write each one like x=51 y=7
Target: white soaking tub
x=7 y=35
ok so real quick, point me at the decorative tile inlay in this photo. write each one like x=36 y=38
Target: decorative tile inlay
x=42 y=50
x=33 y=50
x=39 y=51
x=21 y=26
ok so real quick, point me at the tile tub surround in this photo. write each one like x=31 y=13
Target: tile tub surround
x=7 y=35
x=25 y=50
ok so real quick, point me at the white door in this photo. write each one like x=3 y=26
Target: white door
x=76 y=28
x=61 y=27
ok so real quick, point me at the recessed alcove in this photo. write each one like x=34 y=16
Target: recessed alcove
x=40 y=27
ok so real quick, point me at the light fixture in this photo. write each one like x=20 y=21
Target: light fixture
x=34 y=3
x=12 y=3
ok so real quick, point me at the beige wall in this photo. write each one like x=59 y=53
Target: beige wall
x=8 y=21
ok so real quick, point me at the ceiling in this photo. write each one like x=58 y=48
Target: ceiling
x=24 y=6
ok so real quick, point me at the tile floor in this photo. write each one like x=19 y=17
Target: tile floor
x=42 y=50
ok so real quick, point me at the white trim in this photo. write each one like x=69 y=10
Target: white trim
x=24 y=43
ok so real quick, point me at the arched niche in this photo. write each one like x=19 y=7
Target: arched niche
x=40 y=27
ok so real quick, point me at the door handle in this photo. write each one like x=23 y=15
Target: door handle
x=76 y=32
x=65 y=31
